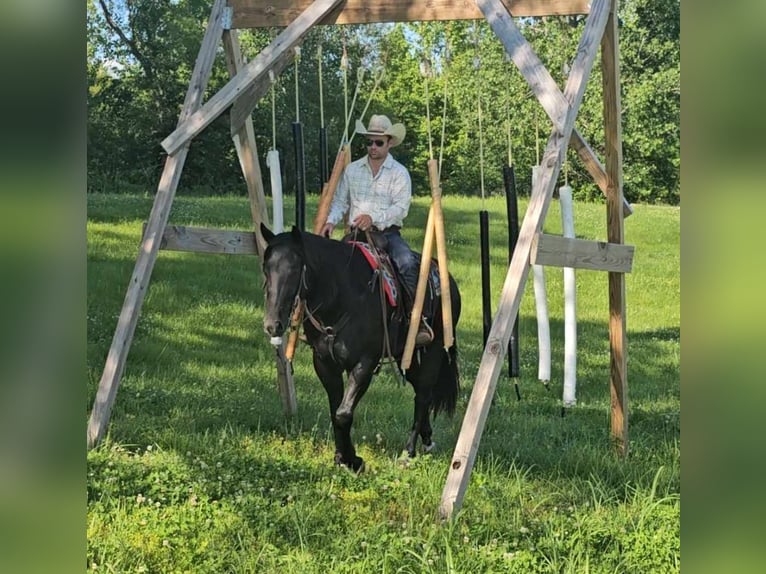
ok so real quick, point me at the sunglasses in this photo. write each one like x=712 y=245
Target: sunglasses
x=378 y=143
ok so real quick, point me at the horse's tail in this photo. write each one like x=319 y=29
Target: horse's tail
x=447 y=384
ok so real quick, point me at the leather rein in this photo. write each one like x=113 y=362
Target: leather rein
x=331 y=332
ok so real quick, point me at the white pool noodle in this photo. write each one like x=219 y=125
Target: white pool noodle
x=541 y=305
x=272 y=161
x=570 y=304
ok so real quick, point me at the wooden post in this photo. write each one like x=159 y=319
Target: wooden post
x=150 y=242
x=247 y=151
x=618 y=380
x=518 y=271
x=441 y=252
x=420 y=292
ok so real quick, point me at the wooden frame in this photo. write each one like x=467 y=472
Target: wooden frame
x=250 y=81
x=557 y=251
x=263 y=13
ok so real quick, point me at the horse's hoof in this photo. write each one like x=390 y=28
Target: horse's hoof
x=429 y=447
x=357 y=465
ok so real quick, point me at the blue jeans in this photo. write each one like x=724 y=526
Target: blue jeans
x=407 y=262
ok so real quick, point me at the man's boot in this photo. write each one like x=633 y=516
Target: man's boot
x=425 y=334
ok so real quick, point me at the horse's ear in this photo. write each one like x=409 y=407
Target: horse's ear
x=296 y=233
x=266 y=232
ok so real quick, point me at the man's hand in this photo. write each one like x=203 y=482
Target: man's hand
x=363 y=222
x=327 y=230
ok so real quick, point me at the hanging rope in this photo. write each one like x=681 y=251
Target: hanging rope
x=346 y=139
x=378 y=77
x=510 y=140
x=425 y=71
x=445 y=67
x=344 y=70
x=321 y=94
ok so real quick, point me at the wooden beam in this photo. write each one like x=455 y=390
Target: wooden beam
x=245 y=104
x=618 y=380
x=518 y=271
x=558 y=251
x=264 y=13
x=247 y=151
x=244 y=142
x=595 y=167
x=150 y=244
x=255 y=71
x=207 y=240
x=541 y=82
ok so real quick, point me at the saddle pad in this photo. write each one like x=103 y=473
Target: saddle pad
x=388 y=280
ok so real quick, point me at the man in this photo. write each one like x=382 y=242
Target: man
x=376 y=191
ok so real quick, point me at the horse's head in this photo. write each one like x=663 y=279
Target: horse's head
x=283 y=264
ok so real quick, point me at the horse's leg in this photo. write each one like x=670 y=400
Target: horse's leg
x=358 y=382
x=423 y=380
x=332 y=380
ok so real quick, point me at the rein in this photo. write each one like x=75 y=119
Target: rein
x=330 y=332
x=385 y=352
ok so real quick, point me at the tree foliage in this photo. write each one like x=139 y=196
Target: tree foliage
x=141 y=53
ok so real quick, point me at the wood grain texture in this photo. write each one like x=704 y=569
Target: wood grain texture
x=208 y=240
x=441 y=253
x=497 y=343
x=618 y=379
x=557 y=251
x=264 y=13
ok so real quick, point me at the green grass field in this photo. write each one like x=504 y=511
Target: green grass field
x=201 y=472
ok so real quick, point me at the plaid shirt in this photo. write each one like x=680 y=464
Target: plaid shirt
x=385 y=197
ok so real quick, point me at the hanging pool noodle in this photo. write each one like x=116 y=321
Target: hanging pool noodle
x=541 y=305
x=272 y=161
x=570 y=304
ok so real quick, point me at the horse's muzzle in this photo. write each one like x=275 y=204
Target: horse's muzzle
x=274 y=329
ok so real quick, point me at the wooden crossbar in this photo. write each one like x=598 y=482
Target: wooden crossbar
x=558 y=251
x=208 y=240
x=265 y=13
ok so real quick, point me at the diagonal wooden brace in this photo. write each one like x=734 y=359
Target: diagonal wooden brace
x=255 y=71
x=543 y=85
x=497 y=343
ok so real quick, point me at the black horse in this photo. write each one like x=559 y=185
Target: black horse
x=344 y=326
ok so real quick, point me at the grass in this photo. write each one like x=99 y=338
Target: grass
x=201 y=472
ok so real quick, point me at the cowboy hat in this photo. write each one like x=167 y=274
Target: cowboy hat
x=381 y=126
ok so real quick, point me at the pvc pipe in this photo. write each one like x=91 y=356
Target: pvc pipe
x=541 y=304
x=300 y=177
x=512 y=210
x=323 y=171
x=275 y=171
x=570 y=304
x=486 y=305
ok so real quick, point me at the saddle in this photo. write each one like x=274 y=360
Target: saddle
x=398 y=295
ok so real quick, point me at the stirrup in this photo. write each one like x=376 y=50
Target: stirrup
x=425 y=334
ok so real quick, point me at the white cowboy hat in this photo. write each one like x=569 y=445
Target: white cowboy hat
x=381 y=126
